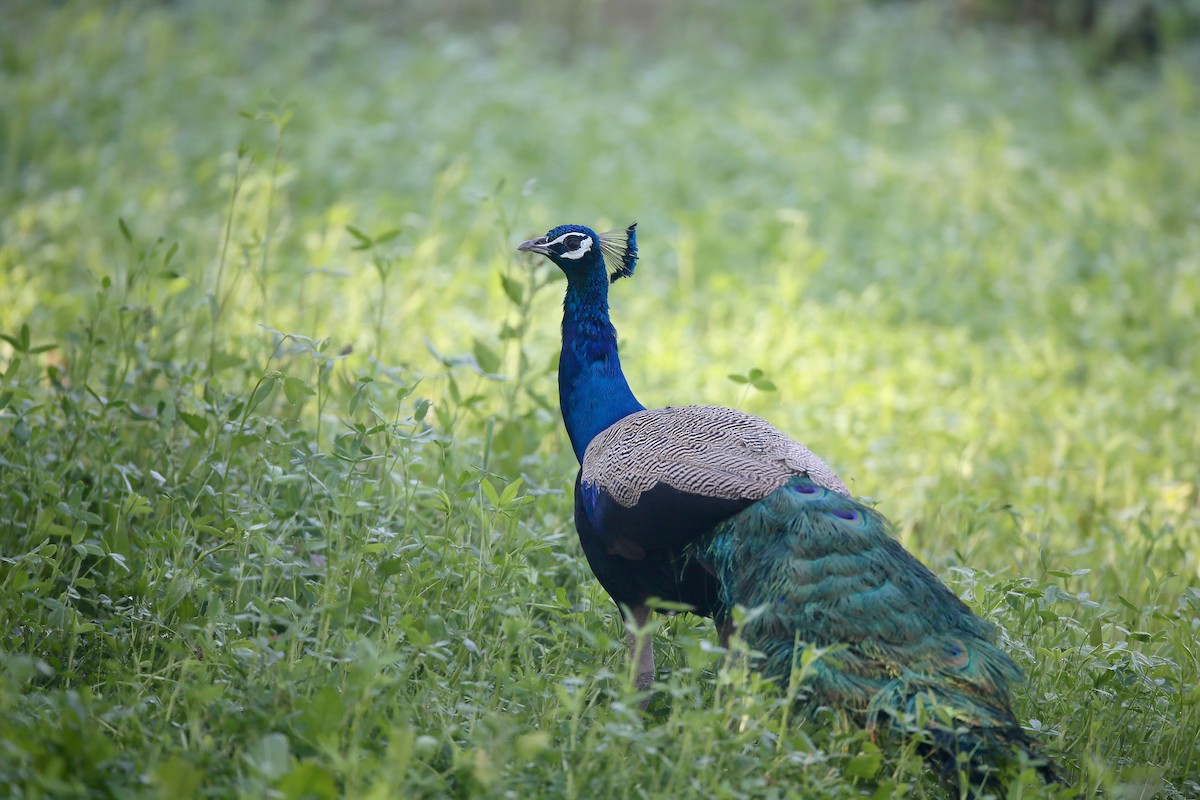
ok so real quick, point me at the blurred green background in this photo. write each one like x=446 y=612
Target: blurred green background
x=295 y=356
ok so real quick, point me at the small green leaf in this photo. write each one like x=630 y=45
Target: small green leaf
x=124 y=230
x=1096 y=635
x=514 y=290
x=359 y=396
x=364 y=241
x=176 y=777
x=269 y=756
x=532 y=743
x=486 y=358
x=18 y=579
x=809 y=656
x=509 y=331
x=296 y=390
x=389 y=567
x=864 y=765
x=196 y=422
x=489 y=492
x=387 y=236
x=762 y=384
x=135 y=505
x=739 y=378
x=308 y=779
x=510 y=493
x=264 y=389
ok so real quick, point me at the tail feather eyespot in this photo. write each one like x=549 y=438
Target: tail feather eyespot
x=957 y=656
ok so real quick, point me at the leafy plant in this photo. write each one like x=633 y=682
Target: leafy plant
x=287 y=506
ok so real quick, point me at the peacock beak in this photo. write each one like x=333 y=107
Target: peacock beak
x=535 y=246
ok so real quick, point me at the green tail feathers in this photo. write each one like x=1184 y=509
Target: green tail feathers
x=822 y=569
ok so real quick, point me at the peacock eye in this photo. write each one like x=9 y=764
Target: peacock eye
x=573 y=246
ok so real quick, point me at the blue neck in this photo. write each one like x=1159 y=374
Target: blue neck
x=592 y=390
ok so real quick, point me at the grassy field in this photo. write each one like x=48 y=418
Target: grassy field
x=285 y=497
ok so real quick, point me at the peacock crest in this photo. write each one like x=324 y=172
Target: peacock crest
x=620 y=251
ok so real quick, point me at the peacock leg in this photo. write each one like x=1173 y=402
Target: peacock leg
x=641 y=645
x=724 y=626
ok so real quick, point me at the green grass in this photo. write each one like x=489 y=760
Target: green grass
x=286 y=505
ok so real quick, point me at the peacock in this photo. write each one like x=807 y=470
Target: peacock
x=715 y=508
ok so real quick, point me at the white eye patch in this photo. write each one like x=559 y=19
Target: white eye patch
x=579 y=243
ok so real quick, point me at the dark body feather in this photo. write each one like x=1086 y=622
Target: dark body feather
x=668 y=573
x=716 y=508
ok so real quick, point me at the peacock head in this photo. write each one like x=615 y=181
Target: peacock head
x=578 y=250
